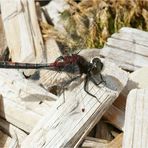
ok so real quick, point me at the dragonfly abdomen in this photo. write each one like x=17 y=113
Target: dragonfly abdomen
x=15 y=65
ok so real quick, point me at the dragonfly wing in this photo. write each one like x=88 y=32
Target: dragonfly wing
x=71 y=69
x=53 y=78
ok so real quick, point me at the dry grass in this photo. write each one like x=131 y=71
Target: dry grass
x=89 y=23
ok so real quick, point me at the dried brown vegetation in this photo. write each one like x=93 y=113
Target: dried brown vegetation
x=89 y=23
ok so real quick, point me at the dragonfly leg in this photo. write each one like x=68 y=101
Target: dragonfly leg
x=86 y=90
x=63 y=87
x=98 y=83
x=68 y=82
x=102 y=80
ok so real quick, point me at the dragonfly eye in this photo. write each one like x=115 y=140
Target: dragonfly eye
x=97 y=65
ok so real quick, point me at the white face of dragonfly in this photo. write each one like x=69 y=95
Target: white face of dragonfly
x=97 y=66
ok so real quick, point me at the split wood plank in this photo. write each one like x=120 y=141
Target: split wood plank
x=131 y=34
x=116 y=113
x=12 y=131
x=90 y=142
x=3 y=43
x=136 y=121
x=14 y=85
x=126 y=60
x=20 y=100
x=18 y=115
x=117 y=142
x=135 y=32
x=128 y=48
x=115 y=116
x=6 y=141
x=64 y=125
x=22 y=30
x=139 y=39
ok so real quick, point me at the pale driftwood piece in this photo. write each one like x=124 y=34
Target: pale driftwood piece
x=67 y=122
x=6 y=141
x=133 y=35
x=126 y=60
x=18 y=115
x=22 y=30
x=115 y=116
x=135 y=32
x=116 y=142
x=136 y=121
x=90 y=142
x=128 y=46
x=129 y=53
x=53 y=9
x=3 y=43
x=53 y=50
x=14 y=85
x=138 y=39
x=20 y=102
x=116 y=113
x=13 y=131
x=103 y=131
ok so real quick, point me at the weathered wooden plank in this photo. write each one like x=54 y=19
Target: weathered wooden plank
x=6 y=141
x=25 y=41
x=18 y=115
x=53 y=9
x=124 y=59
x=117 y=142
x=90 y=142
x=135 y=32
x=138 y=39
x=3 y=43
x=14 y=85
x=118 y=115
x=128 y=49
x=128 y=46
x=20 y=100
x=103 y=130
x=64 y=125
x=26 y=93
x=12 y=131
x=136 y=122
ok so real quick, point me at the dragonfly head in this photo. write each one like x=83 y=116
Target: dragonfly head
x=97 y=66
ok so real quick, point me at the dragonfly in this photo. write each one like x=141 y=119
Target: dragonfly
x=73 y=64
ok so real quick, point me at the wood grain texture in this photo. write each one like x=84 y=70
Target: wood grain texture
x=22 y=30
x=6 y=141
x=12 y=131
x=136 y=121
x=128 y=49
x=20 y=100
x=64 y=125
